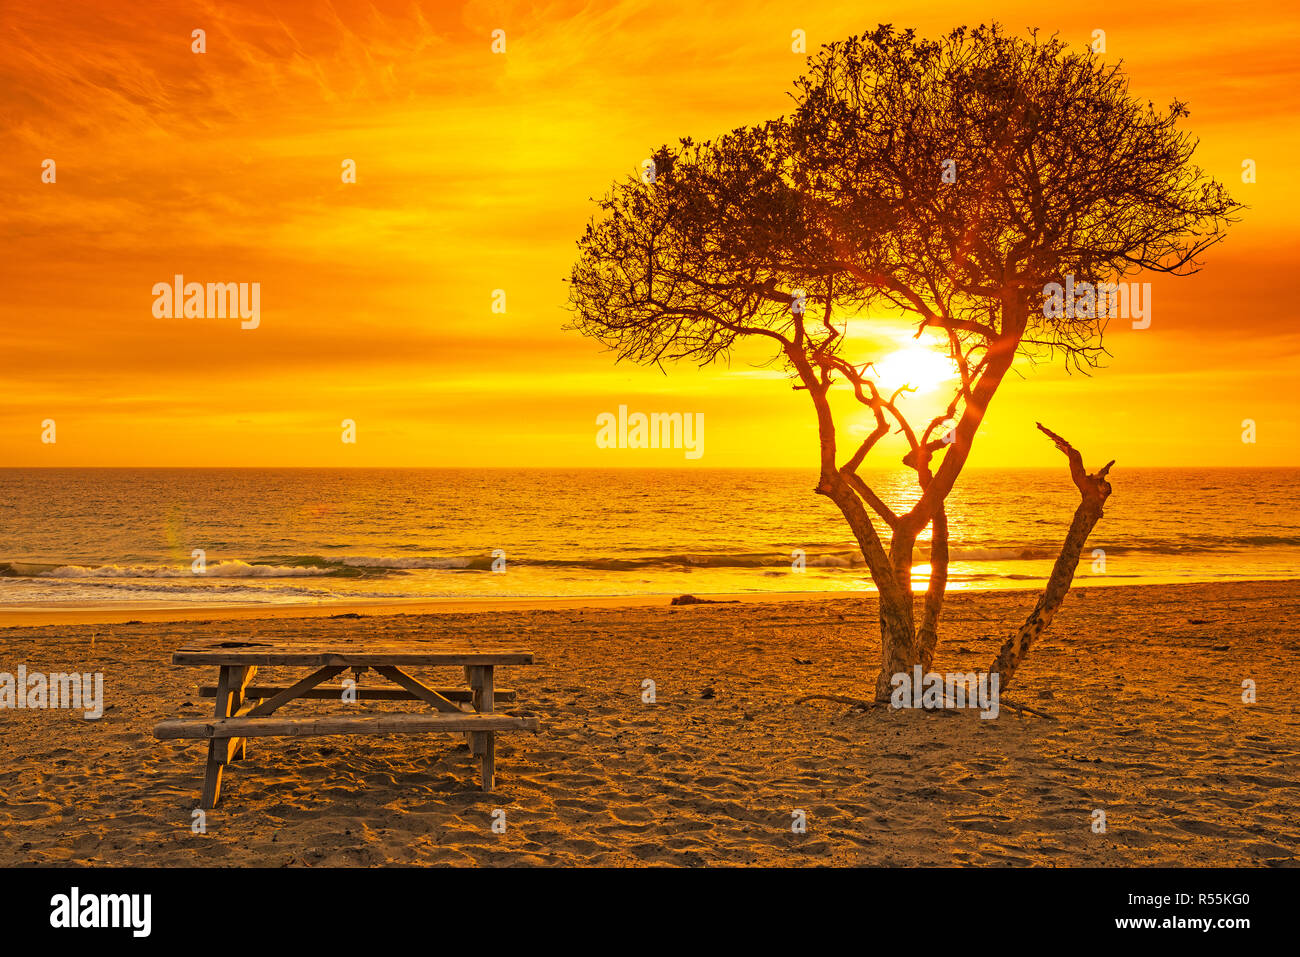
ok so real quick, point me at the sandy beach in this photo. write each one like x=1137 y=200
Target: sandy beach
x=1146 y=684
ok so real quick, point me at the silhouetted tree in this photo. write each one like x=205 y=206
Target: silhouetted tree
x=950 y=181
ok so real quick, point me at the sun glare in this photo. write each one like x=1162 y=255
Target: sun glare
x=921 y=368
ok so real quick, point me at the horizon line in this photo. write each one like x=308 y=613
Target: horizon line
x=597 y=468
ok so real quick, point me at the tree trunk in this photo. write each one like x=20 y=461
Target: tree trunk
x=927 y=637
x=897 y=628
x=898 y=652
x=1093 y=491
x=898 y=649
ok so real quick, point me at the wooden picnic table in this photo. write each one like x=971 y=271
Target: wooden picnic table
x=247 y=710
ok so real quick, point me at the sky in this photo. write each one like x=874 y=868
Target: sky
x=475 y=172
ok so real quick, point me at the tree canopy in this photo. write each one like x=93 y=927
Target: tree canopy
x=1054 y=169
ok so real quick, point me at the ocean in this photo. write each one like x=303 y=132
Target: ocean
x=72 y=537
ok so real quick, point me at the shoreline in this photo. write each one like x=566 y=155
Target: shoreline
x=120 y=613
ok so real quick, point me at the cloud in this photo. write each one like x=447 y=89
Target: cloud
x=475 y=173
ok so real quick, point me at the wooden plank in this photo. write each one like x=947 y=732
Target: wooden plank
x=426 y=694
x=469 y=680
x=249 y=674
x=218 y=750
x=489 y=760
x=486 y=740
x=236 y=748
x=348 y=653
x=225 y=677
x=239 y=704
x=335 y=693
x=226 y=748
x=308 y=725
x=270 y=705
x=211 y=792
x=475 y=677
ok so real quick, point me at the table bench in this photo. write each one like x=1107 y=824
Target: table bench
x=246 y=710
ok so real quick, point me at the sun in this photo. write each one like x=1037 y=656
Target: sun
x=921 y=368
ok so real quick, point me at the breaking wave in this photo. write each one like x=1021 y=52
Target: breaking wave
x=827 y=556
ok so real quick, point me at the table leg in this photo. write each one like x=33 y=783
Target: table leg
x=475 y=676
x=469 y=680
x=218 y=748
x=221 y=751
x=239 y=752
x=484 y=685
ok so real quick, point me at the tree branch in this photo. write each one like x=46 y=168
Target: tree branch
x=1093 y=492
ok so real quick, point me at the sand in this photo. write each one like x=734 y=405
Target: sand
x=1146 y=682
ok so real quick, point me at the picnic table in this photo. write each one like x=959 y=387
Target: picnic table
x=245 y=709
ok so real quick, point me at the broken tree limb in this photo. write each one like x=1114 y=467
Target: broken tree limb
x=1093 y=492
x=1004 y=703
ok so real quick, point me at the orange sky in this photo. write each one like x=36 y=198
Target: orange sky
x=474 y=172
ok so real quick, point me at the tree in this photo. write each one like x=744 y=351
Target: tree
x=950 y=181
